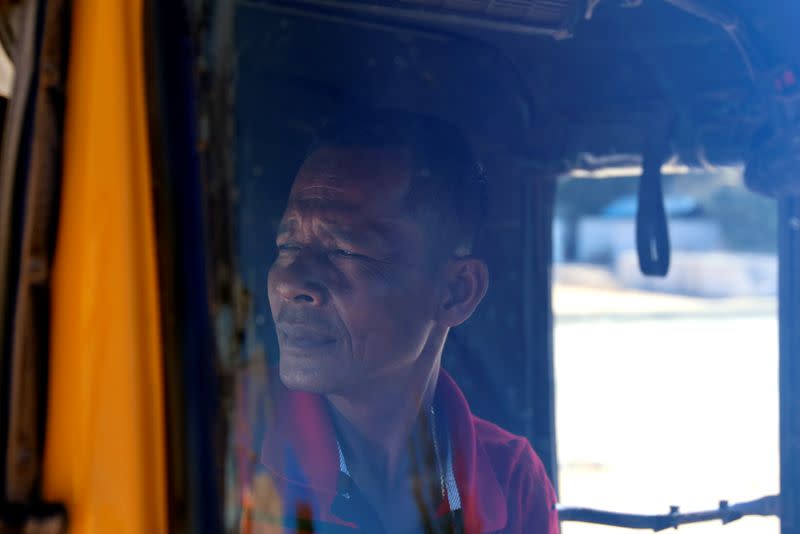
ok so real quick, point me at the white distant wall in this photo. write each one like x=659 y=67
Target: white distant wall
x=600 y=239
x=706 y=274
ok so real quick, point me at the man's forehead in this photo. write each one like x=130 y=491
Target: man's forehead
x=346 y=225
x=358 y=176
x=380 y=232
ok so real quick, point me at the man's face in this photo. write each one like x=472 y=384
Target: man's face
x=352 y=292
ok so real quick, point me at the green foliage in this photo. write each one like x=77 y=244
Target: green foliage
x=748 y=221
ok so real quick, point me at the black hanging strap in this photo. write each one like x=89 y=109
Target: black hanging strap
x=652 y=232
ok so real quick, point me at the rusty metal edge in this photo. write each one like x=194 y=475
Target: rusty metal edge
x=17 y=115
x=30 y=347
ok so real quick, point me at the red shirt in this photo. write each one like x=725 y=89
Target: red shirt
x=501 y=481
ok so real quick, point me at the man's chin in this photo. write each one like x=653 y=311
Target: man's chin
x=297 y=378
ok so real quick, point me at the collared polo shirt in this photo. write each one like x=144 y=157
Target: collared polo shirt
x=502 y=483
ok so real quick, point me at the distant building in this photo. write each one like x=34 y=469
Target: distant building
x=602 y=238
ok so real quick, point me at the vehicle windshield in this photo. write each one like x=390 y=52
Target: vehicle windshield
x=490 y=267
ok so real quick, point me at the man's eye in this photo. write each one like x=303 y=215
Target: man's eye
x=288 y=247
x=346 y=253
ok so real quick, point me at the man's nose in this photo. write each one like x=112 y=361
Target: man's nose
x=299 y=282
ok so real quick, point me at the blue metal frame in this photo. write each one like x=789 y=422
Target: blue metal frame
x=193 y=407
x=789 y=318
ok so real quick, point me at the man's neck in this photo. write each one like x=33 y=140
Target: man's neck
x=374 y=425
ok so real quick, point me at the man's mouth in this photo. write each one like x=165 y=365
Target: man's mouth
x=302 y=337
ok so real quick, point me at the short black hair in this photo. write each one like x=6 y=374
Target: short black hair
x=448 y=189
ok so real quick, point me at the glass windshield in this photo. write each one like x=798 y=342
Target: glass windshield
x=380 y=236
x=439 y=217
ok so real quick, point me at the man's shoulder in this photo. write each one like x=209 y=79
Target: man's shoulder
x=529 y=495
x=509 y=453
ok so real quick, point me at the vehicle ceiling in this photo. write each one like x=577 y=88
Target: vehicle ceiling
x=533 y=106
x=624 y=71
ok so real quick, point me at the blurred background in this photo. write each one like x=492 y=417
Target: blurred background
x=687 y=412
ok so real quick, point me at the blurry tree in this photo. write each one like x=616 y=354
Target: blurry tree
x=748 y=220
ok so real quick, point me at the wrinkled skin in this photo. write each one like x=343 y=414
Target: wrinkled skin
x=354 y=298
x=362 y=310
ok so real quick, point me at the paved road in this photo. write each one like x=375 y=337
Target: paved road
x=677 y=407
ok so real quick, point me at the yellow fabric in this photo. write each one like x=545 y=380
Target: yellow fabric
x=105 y=446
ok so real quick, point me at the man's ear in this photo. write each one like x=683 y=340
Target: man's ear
x=466 y=282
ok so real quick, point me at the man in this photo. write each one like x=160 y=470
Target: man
x=374 y=268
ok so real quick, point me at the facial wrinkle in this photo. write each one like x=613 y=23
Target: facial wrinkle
x=319 y=192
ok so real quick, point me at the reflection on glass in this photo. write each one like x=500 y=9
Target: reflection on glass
x=362 y=428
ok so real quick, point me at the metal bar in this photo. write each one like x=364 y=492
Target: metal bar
x=15 y=135
x=408 y=15
x=30 y=333
x=789 y=320
x=538 y=192
x=703 y=10
x=339 y=19
x=737 y=30
x=765 y=506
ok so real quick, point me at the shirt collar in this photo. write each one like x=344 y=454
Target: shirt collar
x=304 y=452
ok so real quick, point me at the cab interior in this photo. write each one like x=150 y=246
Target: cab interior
x=541 y=89
x=236 y=89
